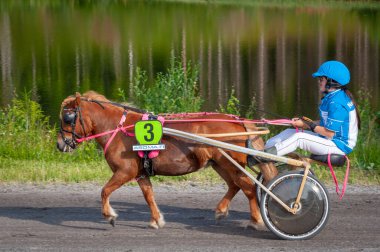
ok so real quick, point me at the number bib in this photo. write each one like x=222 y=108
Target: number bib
x=148 y=135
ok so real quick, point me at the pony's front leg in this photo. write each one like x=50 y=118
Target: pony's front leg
x=117 y=180
x=157 y=219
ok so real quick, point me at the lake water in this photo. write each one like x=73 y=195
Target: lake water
x=55 y=48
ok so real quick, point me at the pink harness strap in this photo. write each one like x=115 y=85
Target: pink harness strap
x=154 y=154
x=263 y=121
x=334 y=176
x=124 y=129
x=119 y=127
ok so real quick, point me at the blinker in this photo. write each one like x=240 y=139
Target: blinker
x=69 y=118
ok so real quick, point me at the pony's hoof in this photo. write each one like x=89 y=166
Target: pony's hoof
x=220 y=215
x=153 y=225
x=260 y=226
x=160 y=223
x=112 y=222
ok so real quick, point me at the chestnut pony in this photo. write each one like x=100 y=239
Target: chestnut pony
x=92 y=114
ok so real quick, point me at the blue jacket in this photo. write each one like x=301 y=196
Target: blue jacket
x=338 y=114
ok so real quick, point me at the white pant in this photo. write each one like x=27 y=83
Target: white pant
x=289 y=140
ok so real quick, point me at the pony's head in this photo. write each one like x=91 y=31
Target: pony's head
x=74 y=121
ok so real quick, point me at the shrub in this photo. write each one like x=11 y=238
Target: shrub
x=171 y=92
x=232 y=106
x=367 y=152
x=26 y=134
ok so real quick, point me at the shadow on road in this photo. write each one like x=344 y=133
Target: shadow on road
x=137 y=216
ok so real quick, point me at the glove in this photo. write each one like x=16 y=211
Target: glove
x=309 y=122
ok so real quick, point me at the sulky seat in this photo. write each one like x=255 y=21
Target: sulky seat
x=335 y=159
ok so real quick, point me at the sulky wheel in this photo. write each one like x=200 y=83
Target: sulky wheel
x=313 y=211
x=259 y=191
x=260 y=178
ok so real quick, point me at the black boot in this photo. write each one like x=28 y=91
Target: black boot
x=254 y=160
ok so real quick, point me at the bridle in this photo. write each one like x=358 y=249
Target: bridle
x=70 y=117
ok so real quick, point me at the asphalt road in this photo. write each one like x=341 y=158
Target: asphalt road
x=68 y=218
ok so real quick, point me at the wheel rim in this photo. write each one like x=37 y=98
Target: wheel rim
x=260 y=178
x=310 y=216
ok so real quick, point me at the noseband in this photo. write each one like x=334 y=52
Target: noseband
x=70 y=117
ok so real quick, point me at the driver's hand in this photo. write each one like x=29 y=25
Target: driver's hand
x=297 y=123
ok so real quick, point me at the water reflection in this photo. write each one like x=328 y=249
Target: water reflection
x=270 y=53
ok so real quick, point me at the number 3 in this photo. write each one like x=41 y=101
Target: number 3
x=149 y=130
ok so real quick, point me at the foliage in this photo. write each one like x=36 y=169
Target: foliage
x=252 y=109
x=23 y=115
x=174 y=91
x=232 y=106
x=27 y=135
x=366 y=154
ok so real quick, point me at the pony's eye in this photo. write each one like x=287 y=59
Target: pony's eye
x=69 y=118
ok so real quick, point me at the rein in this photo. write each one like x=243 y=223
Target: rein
x=169 y=118
x=124 y=129
x=262 y=121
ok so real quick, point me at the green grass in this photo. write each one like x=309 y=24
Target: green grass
x=37 y=171
x=12 y=170
x=357 y=176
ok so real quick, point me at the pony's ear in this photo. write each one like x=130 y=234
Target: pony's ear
x=77 y=98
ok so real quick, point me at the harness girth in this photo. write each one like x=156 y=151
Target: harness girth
x=147 y=163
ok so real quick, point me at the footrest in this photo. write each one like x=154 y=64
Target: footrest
x=335 y=159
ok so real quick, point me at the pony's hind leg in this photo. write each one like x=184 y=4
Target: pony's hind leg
x=117 y=180
x=157 y=219
x=249 y=189
x=221 y=210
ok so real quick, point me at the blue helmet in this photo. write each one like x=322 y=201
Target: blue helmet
x=334 y=70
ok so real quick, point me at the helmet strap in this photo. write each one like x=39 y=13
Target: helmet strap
x=332 y=84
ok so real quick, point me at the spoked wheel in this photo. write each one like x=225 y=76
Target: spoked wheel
x=312 y=213
x=259 y=191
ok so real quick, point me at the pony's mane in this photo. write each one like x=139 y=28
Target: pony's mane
x=67 y=101
x=89 y=95
x=94 y=96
